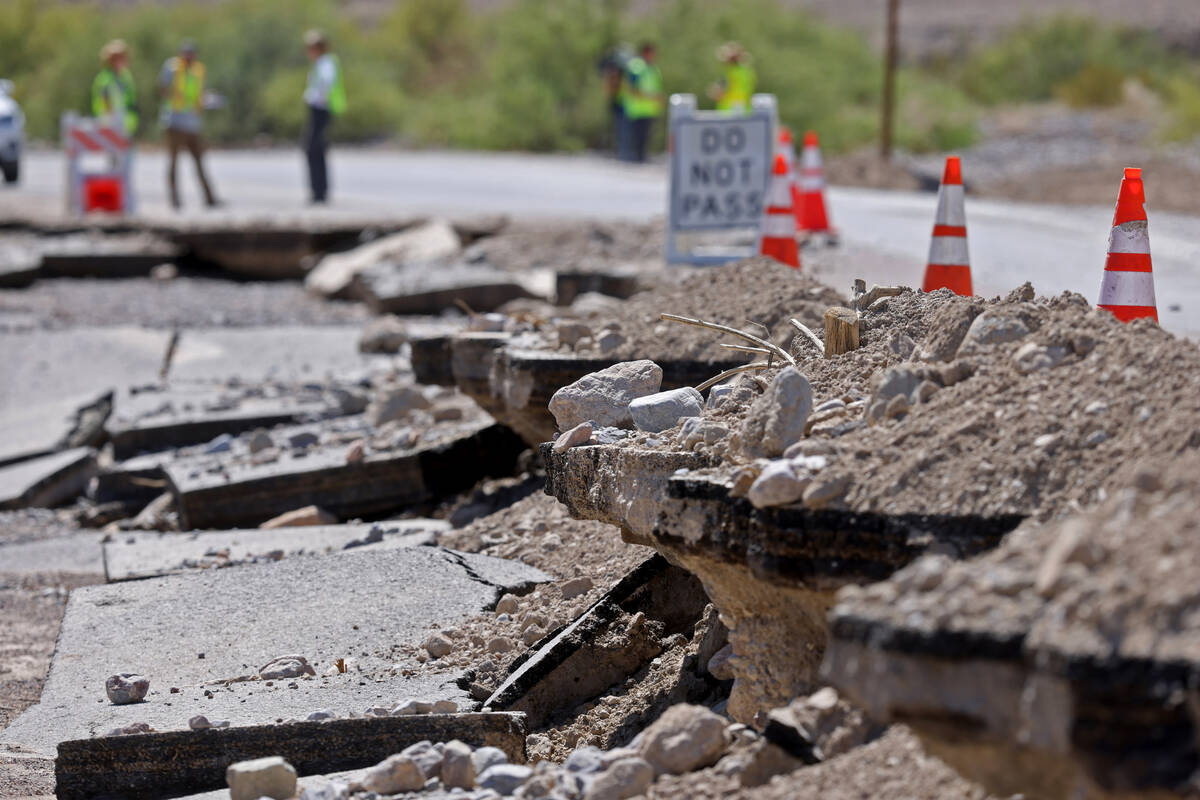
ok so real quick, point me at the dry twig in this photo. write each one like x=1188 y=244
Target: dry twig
x=699 y=323
x=729 y=373
x=812 y=337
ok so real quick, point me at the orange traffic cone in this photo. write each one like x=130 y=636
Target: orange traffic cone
x=786 y=148
x=949 y=264
x=1128 y=287
x=779 y=224
x=810 y=198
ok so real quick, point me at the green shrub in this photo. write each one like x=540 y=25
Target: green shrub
x=1094 y=86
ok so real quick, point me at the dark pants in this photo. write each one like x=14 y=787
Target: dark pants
x=315 y=145
x=639 y=134
x=184 y=140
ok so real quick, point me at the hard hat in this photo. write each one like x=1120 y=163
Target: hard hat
x=113 y=48
x=315 y=38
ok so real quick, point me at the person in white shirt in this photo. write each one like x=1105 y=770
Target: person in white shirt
x=325 y=97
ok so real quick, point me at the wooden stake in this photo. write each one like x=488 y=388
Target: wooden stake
x=841 y=331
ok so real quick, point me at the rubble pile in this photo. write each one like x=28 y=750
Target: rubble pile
x=1083 y=623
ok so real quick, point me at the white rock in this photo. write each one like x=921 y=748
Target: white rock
x=500 y=644
x=321 y=715
x=260 y=440
x=126 y=687
x=458 y=771
x=332 y=790
x=438 y=645
x=508 y=604
x=292 y=666
x=625 y=778
x=720 y=666
x=575 y=587
x=609 y=341
x=662 y=410
x=777 y=485
x=581 y=434
x=603 y=397
x=432 y=241
x=824 y=490
x=202 y=723
x=427 y=756
x=504 y=778
x=406 y=708
x=1033 y=357
x=994 y=326
x=486 y=757
x=395 y=774
x=261 y=777
x=444 y=707
x=696 y=431
x=685 y=738
x=396 y=403
x=777 y=418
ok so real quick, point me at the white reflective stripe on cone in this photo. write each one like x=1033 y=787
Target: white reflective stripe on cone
x=780 y=193
x=779 y=226
x=1127 y=289
x=949 y=250
x=950 y=209
x=1132 y=237
x=812 y=158
x=811 y=184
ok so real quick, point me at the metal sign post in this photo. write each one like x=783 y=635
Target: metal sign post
x=720 y=168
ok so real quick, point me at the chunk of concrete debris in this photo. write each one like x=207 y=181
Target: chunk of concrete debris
x=444 y=707
x=508 y=604
x=260 y=440
x=291 y=666
x=581 y=434
x=395 y=774
x=396 y=403
x=685 y=738
x=335 y=273
x=504 y=778
x=819 y=727
x=994 y=326
x=825 y=489
x=778 y=485
x=438 y=645
x=484 y=758
x=720 y=666
x=603 y=397
x=309 y=515
x=700 y=431
x=331 y=790
x=427 y=756
x=386 y=334
x=47 y=481
x=131 y=729
x=261 y=777
x=203 y=723
x=458 y=771
x=777 y=419
x=408 y=708
x=126 y=687
x=575 y=587
x=662 y=410
x=1034 y=357
x=625 y=778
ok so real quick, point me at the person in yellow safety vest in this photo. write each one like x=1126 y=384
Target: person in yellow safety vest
x=325 y=97
x=642 y=98
x=181 y=84
x=113 y=92
x=736 y=87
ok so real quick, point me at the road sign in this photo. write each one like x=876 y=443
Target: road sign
x=720 y=167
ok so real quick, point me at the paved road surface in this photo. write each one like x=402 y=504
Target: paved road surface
x=1056 y=248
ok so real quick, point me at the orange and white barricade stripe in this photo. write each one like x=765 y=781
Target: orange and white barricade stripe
x=811 y=216
x=778 y=239
x=91 y=189
x=1128 y=286
x=949 y=264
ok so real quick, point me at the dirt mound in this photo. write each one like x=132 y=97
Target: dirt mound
x=964 y=406
x=757 y=294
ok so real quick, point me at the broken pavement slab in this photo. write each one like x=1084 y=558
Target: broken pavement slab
x=169 y=764
x=47 y=481
x=334 y=276
x=135 y=555
x=613 y=639
x=158 y=418
x=433 y=287
x=453 y=458
x=771 y=572
x=36 y=429
x=197 y=632
x=89 y=255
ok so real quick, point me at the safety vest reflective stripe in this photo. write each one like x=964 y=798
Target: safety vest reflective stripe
x=1127 y=289
x=779 y=223
x=949 y=251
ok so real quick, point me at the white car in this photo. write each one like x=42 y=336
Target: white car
x=12 y=133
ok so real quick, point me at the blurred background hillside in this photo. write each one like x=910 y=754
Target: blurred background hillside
x=522 y=74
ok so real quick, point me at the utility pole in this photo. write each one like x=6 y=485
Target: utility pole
x=890 y=57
